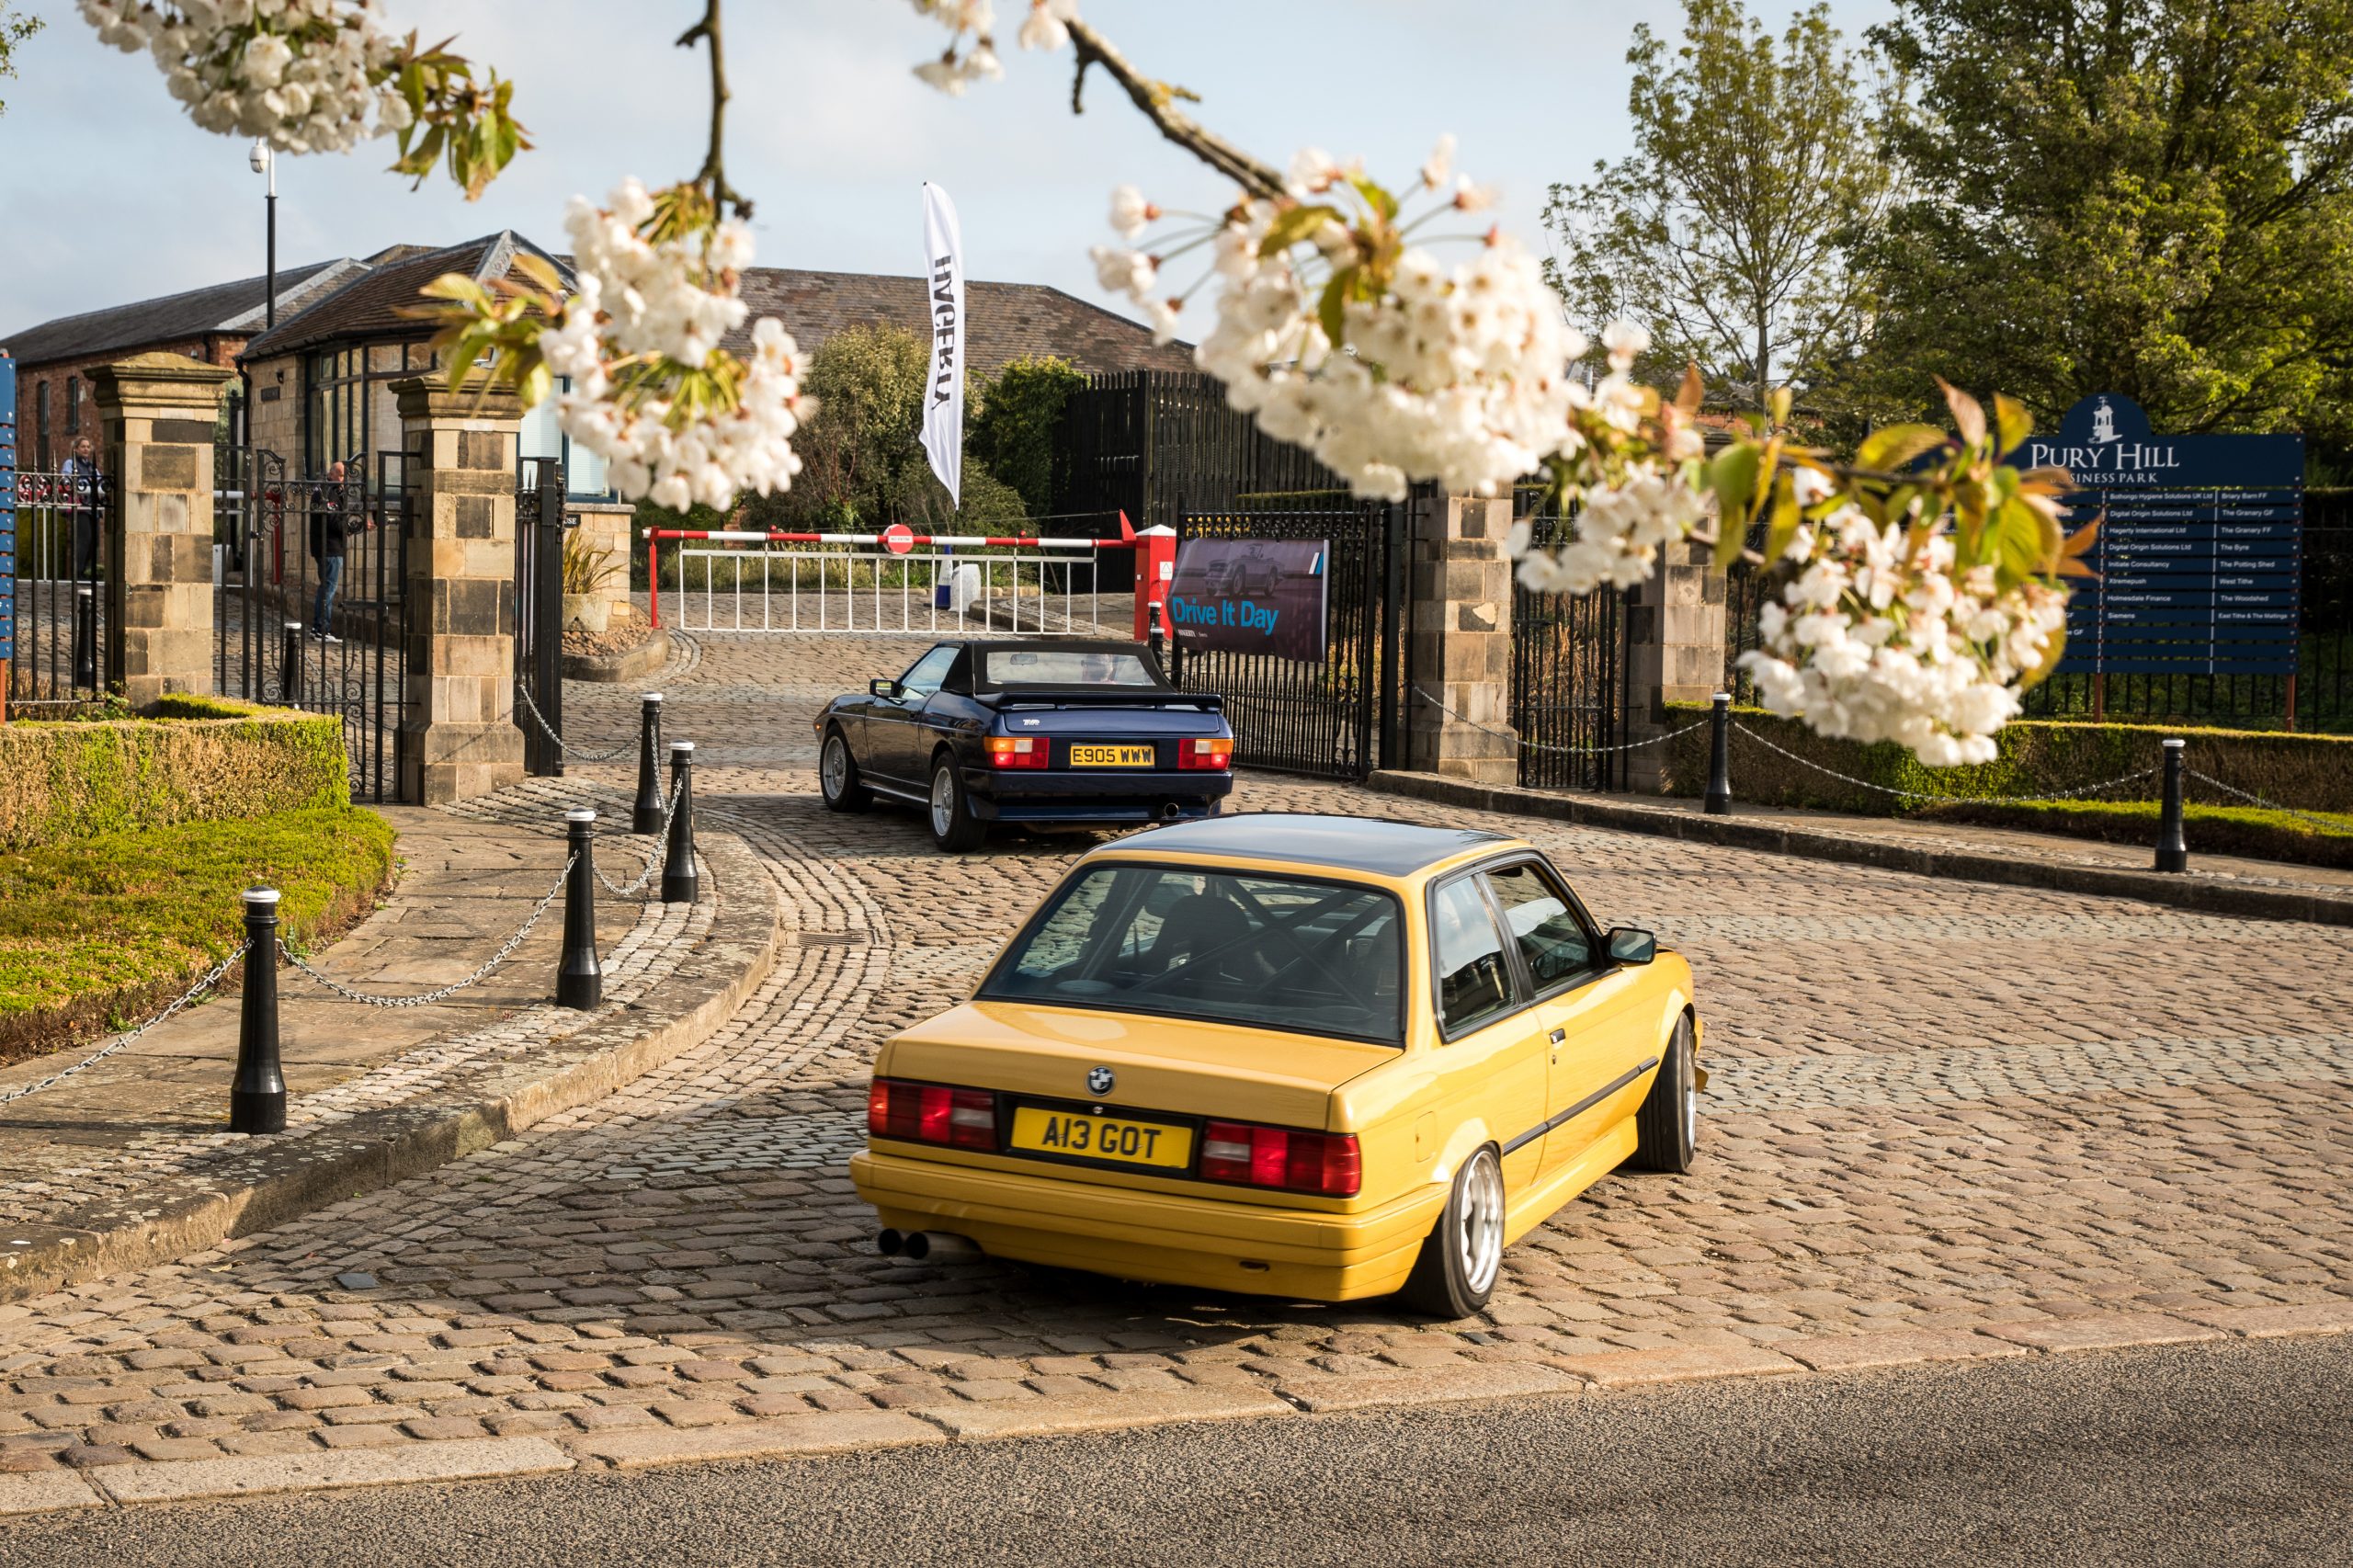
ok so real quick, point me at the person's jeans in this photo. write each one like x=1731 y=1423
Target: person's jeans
x=330 y=579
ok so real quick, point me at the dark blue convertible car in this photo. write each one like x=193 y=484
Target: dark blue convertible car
x=1059 y=734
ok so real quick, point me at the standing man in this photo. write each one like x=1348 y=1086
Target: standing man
x=87 y=497
x=330 y=529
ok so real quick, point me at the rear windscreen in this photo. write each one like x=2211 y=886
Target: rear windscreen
x=1270 y=951
x=1063 y=666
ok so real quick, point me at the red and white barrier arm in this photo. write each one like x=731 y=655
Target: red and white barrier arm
x=969 y=542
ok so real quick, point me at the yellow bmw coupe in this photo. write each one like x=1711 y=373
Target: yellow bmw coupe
x=1320 y=1057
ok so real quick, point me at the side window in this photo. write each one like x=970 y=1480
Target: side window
x=923 y=677
x=1551 y=937
x=1474 y=984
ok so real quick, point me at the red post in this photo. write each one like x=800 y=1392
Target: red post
x=1155 y=570
x=653 y=579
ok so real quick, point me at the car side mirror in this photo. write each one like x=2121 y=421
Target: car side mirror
x=1629 y=946
x=883 y=685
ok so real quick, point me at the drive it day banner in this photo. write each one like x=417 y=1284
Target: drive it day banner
x=1251 y=595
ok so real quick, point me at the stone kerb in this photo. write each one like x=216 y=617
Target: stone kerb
x=459 y=738
x=158 y=413
x=1458 y=625
x=1675 y=635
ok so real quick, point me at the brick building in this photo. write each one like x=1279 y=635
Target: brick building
x=55 y=360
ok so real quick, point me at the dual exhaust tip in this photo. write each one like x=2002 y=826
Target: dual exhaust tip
x=917 y=1245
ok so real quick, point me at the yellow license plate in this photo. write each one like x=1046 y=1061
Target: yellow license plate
x=1112 y=756
x=1079 y=1136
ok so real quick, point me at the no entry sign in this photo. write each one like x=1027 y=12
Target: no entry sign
x=898 y=539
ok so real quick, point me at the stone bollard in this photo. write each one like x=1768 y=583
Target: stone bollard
x=645 y=816
x=85 y=637
x=290 y=665
x=1719 y=802
x=2173 y=850
x=257 y=1094
x=678 y=882
x=579 y=979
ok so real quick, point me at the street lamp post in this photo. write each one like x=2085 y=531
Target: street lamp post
x=265 y=161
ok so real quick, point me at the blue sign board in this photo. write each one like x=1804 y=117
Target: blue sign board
x=8 y=517
x=2199 y=553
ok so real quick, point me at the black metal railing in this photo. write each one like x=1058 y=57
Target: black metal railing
x=538 y=610
x=61 y=620
x=1339 y=717
x=1569 y=672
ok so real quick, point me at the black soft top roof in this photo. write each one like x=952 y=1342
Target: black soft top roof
x=976 y=647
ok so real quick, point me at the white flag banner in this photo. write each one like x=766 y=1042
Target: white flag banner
x=943 y=409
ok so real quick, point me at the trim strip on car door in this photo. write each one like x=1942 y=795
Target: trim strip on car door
x=1583 y=1106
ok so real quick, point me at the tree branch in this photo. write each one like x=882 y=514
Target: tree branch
x=713 y=172
x=1158 y=100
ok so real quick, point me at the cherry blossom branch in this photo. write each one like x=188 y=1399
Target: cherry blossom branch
x=1156 y=100
x=713 y=172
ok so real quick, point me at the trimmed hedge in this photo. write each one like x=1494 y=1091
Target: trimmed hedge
x=101 y=932
x=199 y=759
x=2037 y=756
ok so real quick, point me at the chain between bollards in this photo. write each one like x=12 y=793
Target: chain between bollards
x=257 y=1094
x=648 y=813
x=680 y=884
x=579 y=979
x=2173 y=850
x=1719 y=800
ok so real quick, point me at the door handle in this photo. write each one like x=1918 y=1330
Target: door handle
x=1560 y=1035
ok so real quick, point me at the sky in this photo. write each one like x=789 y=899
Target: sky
x=114 y=196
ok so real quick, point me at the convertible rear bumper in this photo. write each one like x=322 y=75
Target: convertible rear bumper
x=1162 y=1237
x=1121 y=797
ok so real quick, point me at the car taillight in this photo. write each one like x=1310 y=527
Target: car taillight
x=1020 y=751
x=931 y=1113
x=1326 y=1163
x=1216 y=754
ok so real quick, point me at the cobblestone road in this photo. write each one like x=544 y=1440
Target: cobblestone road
x=1937 y=1107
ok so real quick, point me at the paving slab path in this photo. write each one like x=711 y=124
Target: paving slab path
x=1948 y=1121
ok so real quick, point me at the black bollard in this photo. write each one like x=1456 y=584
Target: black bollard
x=257 y=1094
x=645 y=816
x=678 y=882
x=579 y=979
x=85 y=637
x=1719 y=802
x=2173 y=850
x=290 y=665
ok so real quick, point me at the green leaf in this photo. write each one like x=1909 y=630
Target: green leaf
x=1331 y=310
x=2026 y=543
x=1787 y=516
x=533 y=383
x=1732 y=474
x=2012 y=422
x=1294 y=224
x=1375 y=196
x=1891 y=447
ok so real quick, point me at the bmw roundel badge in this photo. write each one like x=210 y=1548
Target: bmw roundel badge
x=1099 y=1080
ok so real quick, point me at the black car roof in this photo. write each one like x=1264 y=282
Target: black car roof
x=1353 y=843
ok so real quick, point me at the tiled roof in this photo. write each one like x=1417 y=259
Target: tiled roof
x=369 y=305
x=1009 y=321
x=236 y=307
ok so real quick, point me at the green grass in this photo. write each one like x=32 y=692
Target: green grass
x=2209 y=830
x=97 y=933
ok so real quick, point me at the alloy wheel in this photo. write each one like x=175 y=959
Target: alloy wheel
x=834 y=768
x=1481 y=1234
x=943 y=801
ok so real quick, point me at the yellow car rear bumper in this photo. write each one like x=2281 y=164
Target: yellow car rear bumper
x=1166 y=1238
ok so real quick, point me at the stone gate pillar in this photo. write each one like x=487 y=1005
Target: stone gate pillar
x=157 y=412
x=458 y=734
x=1457 y=593
x=1675 y=642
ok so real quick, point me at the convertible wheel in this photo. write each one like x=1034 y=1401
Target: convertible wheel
x=1462 y=1258
x=1667 y=1128
x=837 y=776
x=953 y=826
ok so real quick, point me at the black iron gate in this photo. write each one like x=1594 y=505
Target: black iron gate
x=1568 y=681
x=60 y=599
x=1342 y=717
x=310 y=601
x=539 y=613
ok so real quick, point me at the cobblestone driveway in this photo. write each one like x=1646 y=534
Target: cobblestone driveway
x=1936 y=1108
